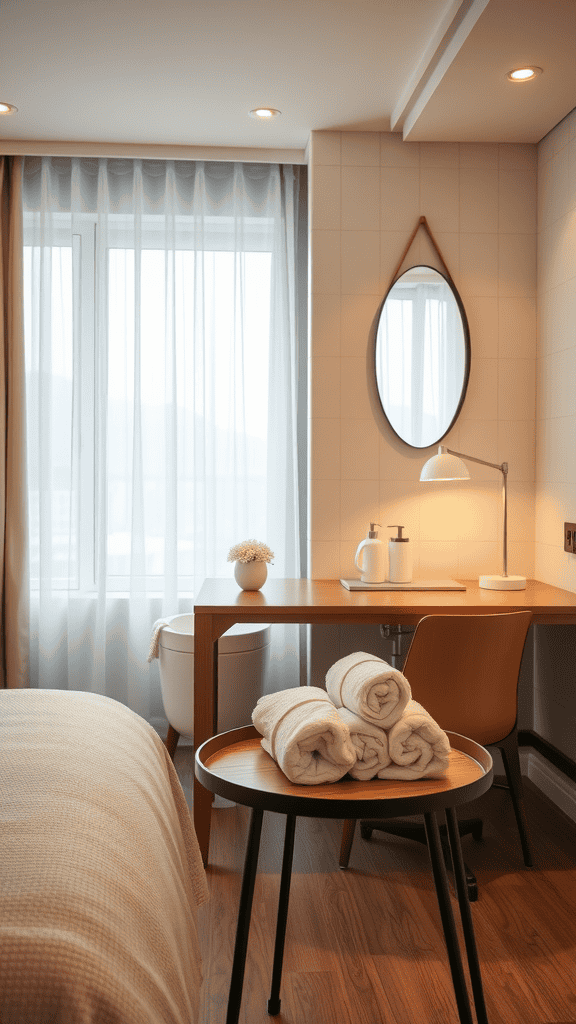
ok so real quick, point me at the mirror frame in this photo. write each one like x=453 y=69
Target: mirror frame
x=467 y=353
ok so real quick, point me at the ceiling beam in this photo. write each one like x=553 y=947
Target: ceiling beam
x=458 y=21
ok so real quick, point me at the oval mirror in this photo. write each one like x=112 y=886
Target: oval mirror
x=422 y=356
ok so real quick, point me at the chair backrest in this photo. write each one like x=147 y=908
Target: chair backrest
x=464 y=670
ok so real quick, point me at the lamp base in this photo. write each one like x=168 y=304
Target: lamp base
x=502 y=582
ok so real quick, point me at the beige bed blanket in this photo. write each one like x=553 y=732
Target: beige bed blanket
x=100 y=871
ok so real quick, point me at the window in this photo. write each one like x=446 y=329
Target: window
x=164 y=400
x=151 y=302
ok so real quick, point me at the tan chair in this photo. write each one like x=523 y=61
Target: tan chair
x=464 y=670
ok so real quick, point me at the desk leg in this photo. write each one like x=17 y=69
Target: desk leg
x=202 y=815
x=448 y=923
x=205 y=717
x=244 y=914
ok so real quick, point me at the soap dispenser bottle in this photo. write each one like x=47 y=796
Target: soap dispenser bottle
x=399 y=557
x=371 y=557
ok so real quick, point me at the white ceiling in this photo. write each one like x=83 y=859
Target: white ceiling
x=187 y=72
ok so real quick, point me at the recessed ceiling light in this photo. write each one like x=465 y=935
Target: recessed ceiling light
x=524 y=74
x=7 y=108
x=264 y=113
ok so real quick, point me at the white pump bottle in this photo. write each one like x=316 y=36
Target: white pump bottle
x=399 y=557
x=371 y=557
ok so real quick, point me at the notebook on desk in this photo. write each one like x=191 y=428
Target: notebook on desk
x=414 y=585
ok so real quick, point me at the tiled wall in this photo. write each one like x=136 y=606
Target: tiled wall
x=556 y=369
x=555 y=653
x=367 y=191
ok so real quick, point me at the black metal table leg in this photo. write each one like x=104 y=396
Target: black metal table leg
x=285 y=878
x=448 y=923
x=471 y=883
x=244 y=913
x=466 y=915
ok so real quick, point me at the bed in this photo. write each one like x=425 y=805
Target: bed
x=100 y=871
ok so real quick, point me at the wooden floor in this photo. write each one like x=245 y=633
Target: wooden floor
x=365 y=946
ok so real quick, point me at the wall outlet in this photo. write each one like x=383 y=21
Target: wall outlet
x=570 y=537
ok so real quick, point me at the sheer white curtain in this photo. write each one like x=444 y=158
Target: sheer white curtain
x=437 y=361
x=420 y=366
x=162 y=376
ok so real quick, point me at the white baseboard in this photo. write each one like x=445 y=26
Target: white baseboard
x=553 y=783
x=549 y=779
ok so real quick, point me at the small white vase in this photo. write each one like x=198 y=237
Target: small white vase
x=250 y=575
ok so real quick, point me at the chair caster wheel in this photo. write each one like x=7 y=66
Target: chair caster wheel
x=472 y=892
x=365 y=832
x=477 y=832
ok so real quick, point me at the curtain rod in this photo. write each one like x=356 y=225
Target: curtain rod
x=243 y=154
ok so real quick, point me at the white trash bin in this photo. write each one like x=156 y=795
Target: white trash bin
x=243 y=658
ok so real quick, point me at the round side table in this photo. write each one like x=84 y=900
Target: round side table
x=235 y=766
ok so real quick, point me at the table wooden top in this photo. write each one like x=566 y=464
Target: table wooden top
x=237 y=767
x=304 y=600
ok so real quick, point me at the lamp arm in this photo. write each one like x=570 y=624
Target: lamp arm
x=503 y=467
x=504 y=470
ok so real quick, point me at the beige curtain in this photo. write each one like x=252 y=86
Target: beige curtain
x=14 y=627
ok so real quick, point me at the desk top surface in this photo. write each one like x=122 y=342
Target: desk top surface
x=304 y=600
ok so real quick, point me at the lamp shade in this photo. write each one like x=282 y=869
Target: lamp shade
x=444 y=467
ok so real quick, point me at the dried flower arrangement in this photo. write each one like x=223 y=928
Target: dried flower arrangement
x=250 y=551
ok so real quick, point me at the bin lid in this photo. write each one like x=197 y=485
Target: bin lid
x=178 y=635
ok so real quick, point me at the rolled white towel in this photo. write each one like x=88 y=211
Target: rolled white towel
x=370 y=687
x=418 y=747
x=370 y=743
x=304 y=734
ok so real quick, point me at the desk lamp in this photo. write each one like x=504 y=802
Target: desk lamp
x=448 y=465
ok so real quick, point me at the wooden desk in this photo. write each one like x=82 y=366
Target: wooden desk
x=220 y=604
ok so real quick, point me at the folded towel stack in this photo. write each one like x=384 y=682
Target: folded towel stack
x=370 y=687
x=304 y=734
x=394 y=736
x=418 y=747
x=365 y=724
x=370 y=744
